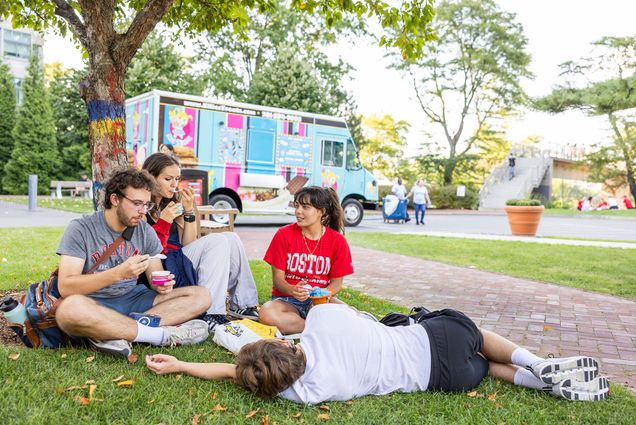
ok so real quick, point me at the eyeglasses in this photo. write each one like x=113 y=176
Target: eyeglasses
x=139 y=204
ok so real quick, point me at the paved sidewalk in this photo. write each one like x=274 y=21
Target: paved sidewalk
x=545 y=318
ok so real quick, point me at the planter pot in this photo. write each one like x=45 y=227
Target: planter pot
x=524 y=221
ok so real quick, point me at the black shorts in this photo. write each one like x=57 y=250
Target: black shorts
x=455 y=341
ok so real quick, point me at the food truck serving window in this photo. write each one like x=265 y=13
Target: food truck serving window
x=332 y=153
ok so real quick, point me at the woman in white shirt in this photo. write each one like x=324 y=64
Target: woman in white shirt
x=343 y=354
x=420 y=200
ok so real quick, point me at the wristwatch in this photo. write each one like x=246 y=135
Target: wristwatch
x=189 y=218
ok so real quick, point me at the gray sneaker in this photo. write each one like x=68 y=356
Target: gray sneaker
x=116 y=347
x=244 y=313
x=594 y=390
x=553 y=371
x=188 y=333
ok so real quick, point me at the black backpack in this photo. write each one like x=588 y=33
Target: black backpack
x=416 y=315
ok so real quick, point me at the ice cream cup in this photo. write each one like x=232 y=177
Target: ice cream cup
x=160 y=278
x=322 y=299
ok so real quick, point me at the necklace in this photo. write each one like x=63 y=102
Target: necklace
x=311 y=251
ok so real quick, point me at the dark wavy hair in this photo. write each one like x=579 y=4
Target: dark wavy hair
x=122 y=179
x=155 y=164
x=324 y=198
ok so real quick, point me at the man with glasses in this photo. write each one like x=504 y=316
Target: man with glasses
x=97 y=305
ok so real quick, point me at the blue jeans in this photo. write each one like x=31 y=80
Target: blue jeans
x=302 y=306
x=419 y=208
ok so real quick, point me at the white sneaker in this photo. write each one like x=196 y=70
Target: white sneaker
x=116 y=347
x=188 y=333
x=553 y=371
x=594 y=390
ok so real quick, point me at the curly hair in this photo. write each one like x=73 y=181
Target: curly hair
x=267 y=367
x=122 y=179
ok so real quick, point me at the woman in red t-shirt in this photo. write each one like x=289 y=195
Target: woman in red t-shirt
x=310 y=252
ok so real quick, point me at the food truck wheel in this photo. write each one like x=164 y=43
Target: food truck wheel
x=222 y=202
x=352 y=212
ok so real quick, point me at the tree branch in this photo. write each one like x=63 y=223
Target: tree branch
x=145 y=21
x=66 y=12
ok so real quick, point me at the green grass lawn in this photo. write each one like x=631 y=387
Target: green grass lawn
x=604 y=270
x=32 y=387
x=77 y=205
x=609 y=213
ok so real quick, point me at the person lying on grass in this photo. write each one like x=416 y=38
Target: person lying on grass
x=343 y=354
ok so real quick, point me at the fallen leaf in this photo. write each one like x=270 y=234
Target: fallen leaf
x=297 y=415
x=82 y=400
x=350 y=414
x=219 y=408
x=178 y=376
x=265 y=420
x=213 y=396
x=151 y=401
x=349 y=402
x=492 y=397
x=200 y=350
x=324 y=407
x=90 y=359
x=195 y=420
x=132 y=359
x=472 y=394
x=190 y=391
x=230 y=353
x=498 y=405
x=63 y=356
x=88 y=382
x=546 y=328
x=252 y=413
x=323 y=417
x=14 y=356
x=126 y=384
x=119 y=378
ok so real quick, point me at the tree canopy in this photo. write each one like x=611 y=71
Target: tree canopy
x=614 y=97
x=7 y=115
x=35 y=150
x=470 y=76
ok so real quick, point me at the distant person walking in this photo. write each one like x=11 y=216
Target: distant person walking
x=512 y=162
x=627 y=202
x=420 y=200
x=400 y=191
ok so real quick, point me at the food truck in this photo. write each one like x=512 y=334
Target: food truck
x=253 y=158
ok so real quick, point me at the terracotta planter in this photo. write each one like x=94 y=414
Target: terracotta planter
x=524 y=221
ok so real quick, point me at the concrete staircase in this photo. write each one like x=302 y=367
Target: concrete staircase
x=497 y=189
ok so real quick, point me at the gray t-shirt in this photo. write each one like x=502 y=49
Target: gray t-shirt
x=88 y=237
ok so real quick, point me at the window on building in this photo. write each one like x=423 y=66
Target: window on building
x=17 y=44
x=19 y=92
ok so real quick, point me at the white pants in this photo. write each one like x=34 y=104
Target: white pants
x=222 y=267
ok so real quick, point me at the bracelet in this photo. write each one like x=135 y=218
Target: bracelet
x=189 y=212
x=189 y=218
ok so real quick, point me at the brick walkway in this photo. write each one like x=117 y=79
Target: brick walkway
x=542 y=317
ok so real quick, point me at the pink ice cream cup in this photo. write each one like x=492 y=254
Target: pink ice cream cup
x=160 y=278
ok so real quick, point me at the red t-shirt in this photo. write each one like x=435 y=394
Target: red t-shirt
x=316 y=262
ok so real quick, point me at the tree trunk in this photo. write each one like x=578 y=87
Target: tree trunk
x=103 y=92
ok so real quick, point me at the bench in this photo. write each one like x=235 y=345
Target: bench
x=78 y=188
x=208 y=225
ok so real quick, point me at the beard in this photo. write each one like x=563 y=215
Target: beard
x=126 y=221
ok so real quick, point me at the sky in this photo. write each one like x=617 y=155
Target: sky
x=557 y=31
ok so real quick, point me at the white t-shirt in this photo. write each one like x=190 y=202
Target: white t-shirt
x=419 y=194
x=612 y=202
x=350 y=356
x=399 y=190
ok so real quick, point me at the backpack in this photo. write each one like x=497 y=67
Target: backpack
x=40 y=301
x=416 y=315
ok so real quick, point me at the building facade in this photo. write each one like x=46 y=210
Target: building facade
x=16 y=47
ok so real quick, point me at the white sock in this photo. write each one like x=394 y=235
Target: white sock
x=149 y=335
x=525 y=378
x=522 y=357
